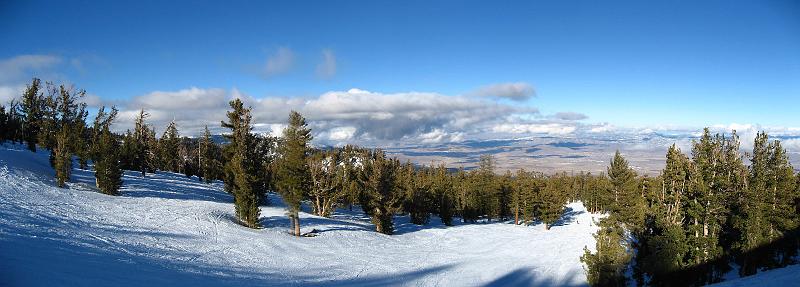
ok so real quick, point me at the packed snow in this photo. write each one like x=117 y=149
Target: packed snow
x=170 y=230
x=781 y=277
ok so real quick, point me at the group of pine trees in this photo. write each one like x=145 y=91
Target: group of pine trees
x=704 y=211
x=54 y=118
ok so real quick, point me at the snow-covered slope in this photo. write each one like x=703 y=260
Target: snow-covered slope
x=169 y=230
x=782 y=277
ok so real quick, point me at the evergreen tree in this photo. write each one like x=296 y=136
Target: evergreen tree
x=101 y=120
x=381 y=198
x=606 y=267
x=415 y=189
x=49 y=126
x=31 y=109
x=241 y=183
x=551 y=200
x=628 y=202
x=293 y=172
x=108 y=172
x=486 y=188
x=62 y=158
x=71 y=121
x=781 y=214
x=5 y=127
x=210 y=166
x=168 y=148
x=136 y=144
x=662 y=242
x=443 y=191
x=521 y=195
x=327 y=174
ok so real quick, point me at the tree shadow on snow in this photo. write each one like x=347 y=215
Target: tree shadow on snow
x=568 y=217
x=165 y=185
x=321 y=224
x=527 y=277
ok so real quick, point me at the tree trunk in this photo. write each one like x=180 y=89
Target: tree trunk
x=296 y=224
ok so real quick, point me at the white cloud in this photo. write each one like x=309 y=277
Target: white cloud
x=92 y=100
x=519 y=91
x=7 y=93
x=18 y=68
x=534 y=128
x=570 y=116
x=187 y=99
x=439 y=136
x=279 y=62
x=601 y=128
x=341 y=133
x=334 y=116
x=327 y=68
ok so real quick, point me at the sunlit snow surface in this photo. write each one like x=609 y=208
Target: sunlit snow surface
x=170 y=230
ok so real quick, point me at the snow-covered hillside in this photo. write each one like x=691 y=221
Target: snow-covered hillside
x=169 y=230
x=782 y=277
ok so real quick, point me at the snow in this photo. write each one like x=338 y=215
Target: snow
x=782 y=277
x=170 y=230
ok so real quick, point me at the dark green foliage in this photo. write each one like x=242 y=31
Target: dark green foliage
x=292 y=168
x=31 y=110
x=49 y=124
x=551 y=199
x=209 y=162
x=168 y=158
x=105 y=153
x=606 y=267
x=137 y=146
x=415 y=186
x=11 y=123
x=70 y=123
x=328 y=171
x=381 y=198
x=108 y=172
x=628 y=201
x=264 y=155
x=62 y=159
x=240 y=166
x=442 y=189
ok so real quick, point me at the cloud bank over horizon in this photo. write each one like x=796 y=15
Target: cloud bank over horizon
x=410 y=121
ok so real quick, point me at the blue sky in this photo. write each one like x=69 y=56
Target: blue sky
x=626 y=63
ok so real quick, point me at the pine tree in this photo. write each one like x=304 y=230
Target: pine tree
x=136 y=144
x=415 y=187
x=152 y=160
x=781 y=214
x=5 y=128
x=241 y=183
x=48 y=127
x=443 y=191
x=327 y=174
x=71 y=121
x=62 y=158
x=606 y=267
x=520 y=193
x=293 y=177
x=628 y=202
x=210 y=166
x=168 y=148
x=551 y=200
x=108 y=172
x=381 y=198
x=662 y=244
x=31 y=109
x=486 y=187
